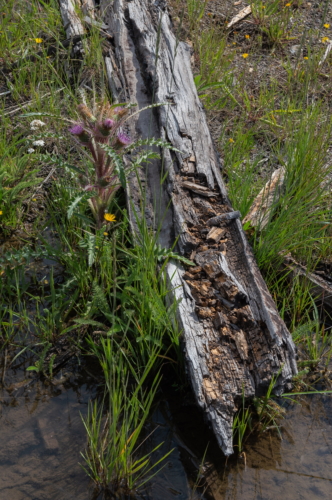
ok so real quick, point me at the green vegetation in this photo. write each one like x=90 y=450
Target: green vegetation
x=62 y=212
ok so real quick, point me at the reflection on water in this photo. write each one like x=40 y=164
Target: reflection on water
x=298 y=467
x=42 y=435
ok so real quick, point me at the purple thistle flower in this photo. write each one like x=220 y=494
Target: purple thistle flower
x=108 y=123
x=105 y=127
x=81 y=134
x=123 y=139
x=76 y=130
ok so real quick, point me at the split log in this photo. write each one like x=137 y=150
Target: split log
x=234 y=340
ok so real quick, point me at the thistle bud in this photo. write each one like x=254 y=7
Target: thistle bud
x=81 y=134
x=86 y=113
x=106 y=126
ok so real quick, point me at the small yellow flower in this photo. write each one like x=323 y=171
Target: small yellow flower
x=34 y=199
x=230 y=140
x=97 y=248
x=1 y=212
x=326 y=25
x=287 y=5
x=45 y=282
x=263 y=7
x=105 y=234
x=245 y=56
x=109 y=217
x=38 y=40
x=306 y=57
x=325 y=39
x=247 y=37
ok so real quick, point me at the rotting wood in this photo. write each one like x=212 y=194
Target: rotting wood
x=234 y=340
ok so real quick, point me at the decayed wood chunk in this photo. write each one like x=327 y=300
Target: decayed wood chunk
x=219 y=219
x=215 y=234
x=196 y=188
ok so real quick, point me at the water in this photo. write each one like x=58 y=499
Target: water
x=42 y=435
x=296 y=467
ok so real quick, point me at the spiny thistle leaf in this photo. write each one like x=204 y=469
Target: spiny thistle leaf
x=77 y=201
x=118 y=163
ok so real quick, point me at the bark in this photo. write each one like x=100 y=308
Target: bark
x=234 y=340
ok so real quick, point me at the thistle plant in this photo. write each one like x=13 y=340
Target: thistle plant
x=104 y=140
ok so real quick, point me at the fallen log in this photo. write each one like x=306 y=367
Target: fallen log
x=234 y=340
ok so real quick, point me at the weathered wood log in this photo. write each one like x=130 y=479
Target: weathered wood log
x=234 y=340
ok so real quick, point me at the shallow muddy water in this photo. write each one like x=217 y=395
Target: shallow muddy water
x=296 y=467
x=42 y=435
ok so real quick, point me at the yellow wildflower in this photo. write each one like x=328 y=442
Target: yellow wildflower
x=263 y=7
x=247 y=37
x=325 y=39
x=109 y=217
x=287 y=5
x=230 y=140
x=306 y=57
x=105 y=234
x=245 y=56
x=38 y=40
x=326 y=25
x=1 y=212
x=34 y=199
